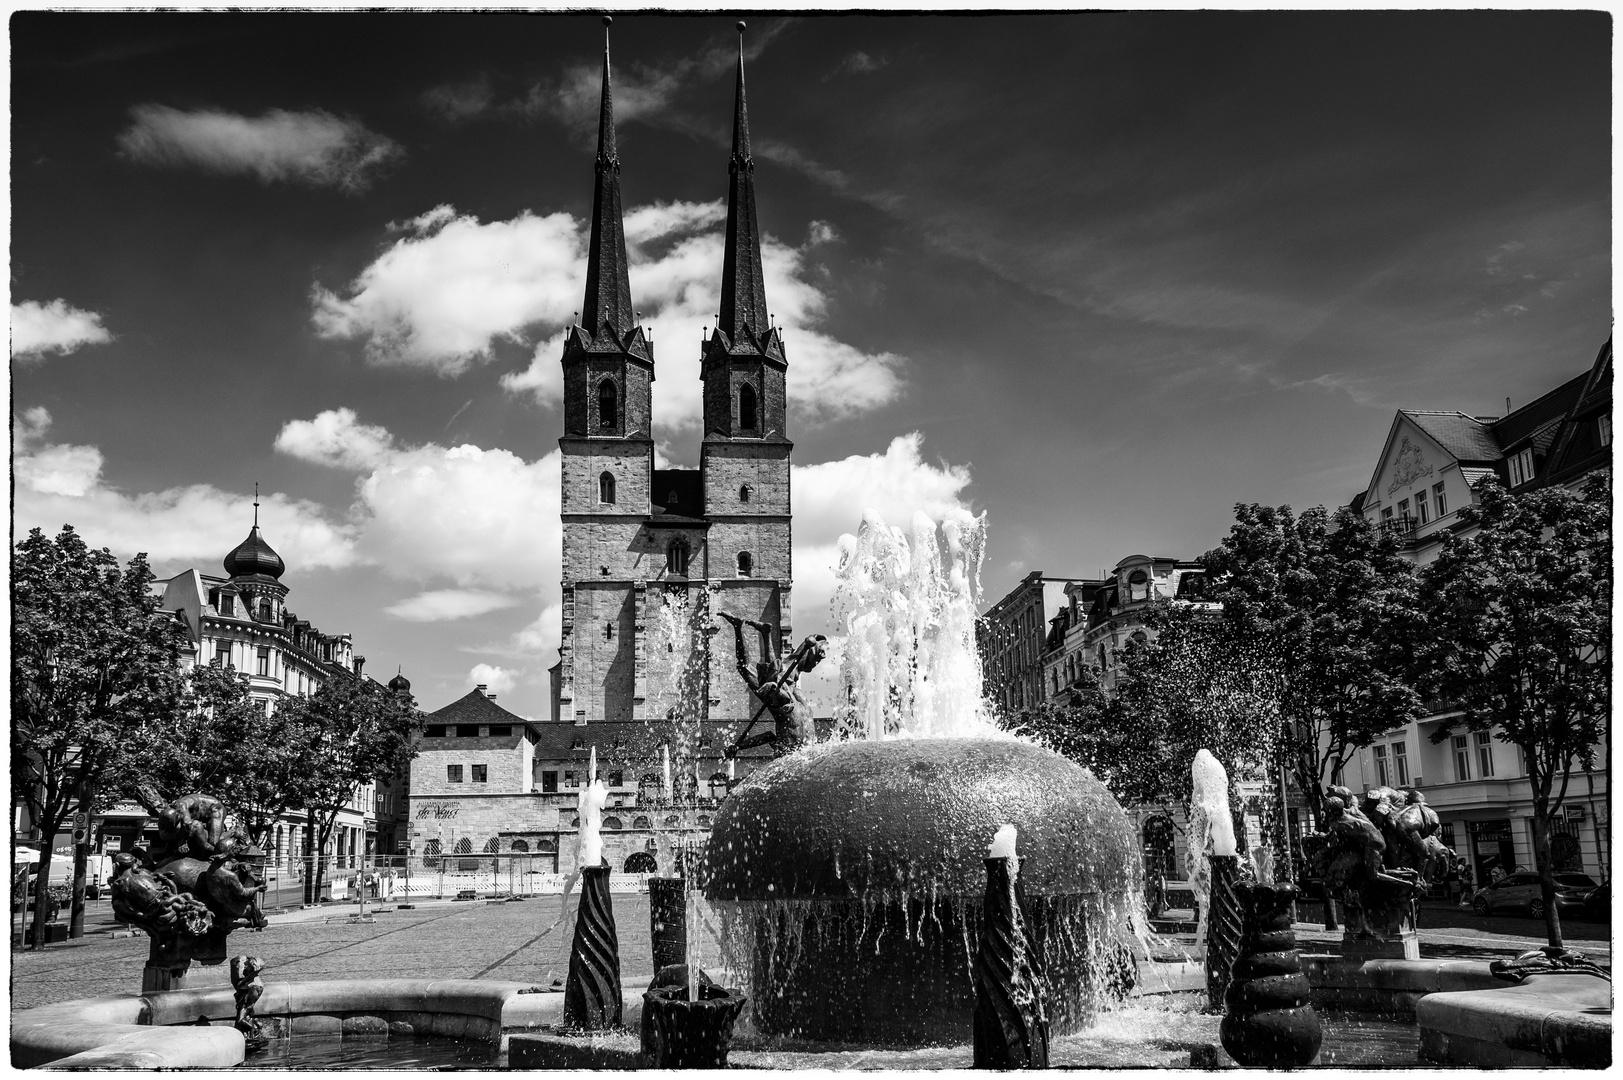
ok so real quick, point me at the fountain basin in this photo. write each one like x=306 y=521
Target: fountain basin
x=849 y=878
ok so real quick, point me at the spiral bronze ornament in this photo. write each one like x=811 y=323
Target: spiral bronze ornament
x=592 y=1000
x=1011 y=1002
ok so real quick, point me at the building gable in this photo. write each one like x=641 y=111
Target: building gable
x=1413 y=456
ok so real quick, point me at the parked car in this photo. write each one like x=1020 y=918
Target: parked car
x=1598 y=904
x=1524 y=892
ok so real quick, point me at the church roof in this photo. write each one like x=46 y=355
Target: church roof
x=608 y=282
x=475 y=707
x=254 y=557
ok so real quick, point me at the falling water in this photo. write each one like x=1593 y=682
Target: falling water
x=1211 y=828
x=907 y=605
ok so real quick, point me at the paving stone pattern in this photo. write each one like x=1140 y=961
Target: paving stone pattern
x=508 y=942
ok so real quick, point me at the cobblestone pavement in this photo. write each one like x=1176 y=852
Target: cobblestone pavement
x=509 y=942
x=512 y=942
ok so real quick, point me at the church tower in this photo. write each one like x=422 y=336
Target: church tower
x=608 y=458
x=744 y=459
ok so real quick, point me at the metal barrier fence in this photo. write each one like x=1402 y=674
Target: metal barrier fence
x=403 y=879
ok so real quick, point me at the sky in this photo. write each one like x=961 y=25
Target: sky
x=1099 y=276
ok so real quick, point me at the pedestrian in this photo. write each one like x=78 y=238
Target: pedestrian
x=1467 y=893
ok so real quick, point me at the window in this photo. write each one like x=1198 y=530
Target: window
x=1521 y=467
x=605 y=488
x=746 y=407
x=467 y=731
x=1382 y=777
x=744 y=493
x=617 y=779
x=431 y=848
x=222 y=653
x=228 y=604
x=1604 y=430
x=1484 y=753
x=453 y=774
x=262 y=662
x=464 y=846
x=434 y=731
x=1462 y=758
x=501 y=731
x=519 y=847
x=746 y=564
x=1421 y=511
x=1403 y=509
x=1400 y=763
x=676 y=558
x=1386 y=513
x=608 y=631
x=608 y=405
x=480 y=773
x=549 y=780
x=1440 y=497
x=265 y=610
x=492 y=846
x=569 y=778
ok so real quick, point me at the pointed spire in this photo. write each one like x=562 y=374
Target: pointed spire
x=608 y=282
x=743 y=288
x=256 y=504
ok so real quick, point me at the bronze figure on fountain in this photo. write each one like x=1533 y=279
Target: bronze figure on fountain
x=778 y=688
x=190 y=889
x=1378 y=854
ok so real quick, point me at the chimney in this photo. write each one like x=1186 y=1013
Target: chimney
x=492 y=697
x=481 y=687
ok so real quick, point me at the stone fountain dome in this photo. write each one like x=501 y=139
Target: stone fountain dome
x=254 y=558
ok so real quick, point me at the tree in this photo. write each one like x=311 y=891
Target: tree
x=1331 y=607
x=1520 y=616
x=93 y=667
x=349 y=732
x=222 y=742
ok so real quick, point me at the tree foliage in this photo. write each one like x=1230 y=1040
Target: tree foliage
x=1330 y=606
x=349 y=732
x=93 y=670
x=1519 y=618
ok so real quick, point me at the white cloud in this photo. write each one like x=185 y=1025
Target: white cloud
x=313 y=147
x=441 y=605
x=191 y=525
x=676 y=256
x=459 y=101
x=495 y=680
x=335 y=438
x=57 y=326
x=441 y=294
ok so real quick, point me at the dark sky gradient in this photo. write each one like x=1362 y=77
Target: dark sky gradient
x=1141 y=266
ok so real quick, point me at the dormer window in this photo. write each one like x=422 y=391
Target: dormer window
x=605 y=488
x=1138 y=585
x=608 y=405
x=746 y=407
x=228 y=604
x=1521 y=467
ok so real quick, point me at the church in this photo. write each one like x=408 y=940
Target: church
x=634 y=535
x=639 y=543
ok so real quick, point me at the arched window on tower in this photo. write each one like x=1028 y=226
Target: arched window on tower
x=265 y=609
x=746 y=564
x=605 y=488
x=746 y=407
x=608 y=405
x=744 y=493
x=1138 y=585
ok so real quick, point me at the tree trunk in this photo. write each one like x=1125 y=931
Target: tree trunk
x=322 y=836
x=1546 y=874
x=42 y=891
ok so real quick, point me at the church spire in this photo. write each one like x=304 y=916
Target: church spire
x=743 y=289
x=608 y=283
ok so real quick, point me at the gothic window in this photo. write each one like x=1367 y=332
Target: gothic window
x=746 y=407
x=676 y=558
x=431 y=848
x=492 y=846
x=613 y=823
x=605 y=488
x=744 y=493
x=520 y=846
x=608 y=405
x=464 y=846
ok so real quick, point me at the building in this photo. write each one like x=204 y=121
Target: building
x=1428 y=471
x=241 y=621
x=1108 y=617
x=635 y=539
x=1012 y=636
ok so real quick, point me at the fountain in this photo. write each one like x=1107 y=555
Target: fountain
x=849 y=875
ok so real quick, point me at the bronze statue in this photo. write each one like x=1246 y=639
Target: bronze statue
x=1376 y=854
x=247 y=987
x=190 y=889
x=778 y=689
